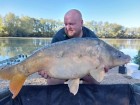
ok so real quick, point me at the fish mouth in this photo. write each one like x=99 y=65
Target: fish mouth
x=128 y=59
x=127 y=62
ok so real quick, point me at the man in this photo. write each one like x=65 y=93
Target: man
x=73 y=28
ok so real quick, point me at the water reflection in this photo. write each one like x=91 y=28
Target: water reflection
x=128 y=46
x=10 y=47
x=124 y=43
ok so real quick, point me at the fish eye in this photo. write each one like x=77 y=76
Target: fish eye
x=119 y=54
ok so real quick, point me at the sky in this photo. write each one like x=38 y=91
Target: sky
x=123 y=12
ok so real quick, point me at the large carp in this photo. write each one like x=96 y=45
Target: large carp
x=70 y=59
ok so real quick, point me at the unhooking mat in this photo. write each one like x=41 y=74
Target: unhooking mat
x=117 y=94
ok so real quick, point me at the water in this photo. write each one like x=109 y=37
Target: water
x=10 y=47
x=128 y=46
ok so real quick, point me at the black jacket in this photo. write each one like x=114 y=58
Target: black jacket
x=61 y=35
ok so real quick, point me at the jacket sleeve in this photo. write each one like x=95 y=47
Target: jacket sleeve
x=89 y=33
x=92 y=34
x=59 y=36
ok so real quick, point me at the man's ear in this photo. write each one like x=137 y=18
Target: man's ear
x=82 y=22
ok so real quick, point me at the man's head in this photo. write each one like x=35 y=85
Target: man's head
x=73 y=23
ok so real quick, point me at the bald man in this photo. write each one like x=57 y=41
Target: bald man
x=73 y=29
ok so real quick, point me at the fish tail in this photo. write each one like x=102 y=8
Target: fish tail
x=16 y=79
x=16 y=84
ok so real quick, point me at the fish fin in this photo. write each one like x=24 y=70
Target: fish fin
x=97 y=74
x=73 y=85
x=16 y=84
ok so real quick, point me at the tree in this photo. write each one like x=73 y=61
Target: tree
x=137 y=59
x=26 y=26
x=10 y=22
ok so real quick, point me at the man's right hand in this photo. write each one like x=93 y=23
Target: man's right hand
x=51 y=81
x=43 y=74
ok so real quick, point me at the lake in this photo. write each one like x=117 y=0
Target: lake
x=10 y=47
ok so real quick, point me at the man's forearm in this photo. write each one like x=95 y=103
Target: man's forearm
x=52 y=81
x=85 y=80
x=89 y=80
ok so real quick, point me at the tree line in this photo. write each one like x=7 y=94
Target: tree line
x=25 y=26
x=137 y=59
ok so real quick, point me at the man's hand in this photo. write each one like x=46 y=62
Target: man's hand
x=89 y=80
x=43 y=74
x=50 y=81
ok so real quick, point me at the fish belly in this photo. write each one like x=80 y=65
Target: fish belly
x=69 y=68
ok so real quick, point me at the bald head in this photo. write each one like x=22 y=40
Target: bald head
x=74 y=13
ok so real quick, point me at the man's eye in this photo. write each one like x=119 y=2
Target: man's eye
x=72 y=24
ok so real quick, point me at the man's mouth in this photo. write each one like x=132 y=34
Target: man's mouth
x=70 y=30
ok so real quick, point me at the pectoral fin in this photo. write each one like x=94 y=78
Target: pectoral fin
x=98 y=75
x=16 y=84
x=73 y=85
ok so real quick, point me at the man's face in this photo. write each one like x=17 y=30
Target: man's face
x=73 y=26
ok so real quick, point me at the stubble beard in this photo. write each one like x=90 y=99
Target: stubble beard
x=73 y=34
